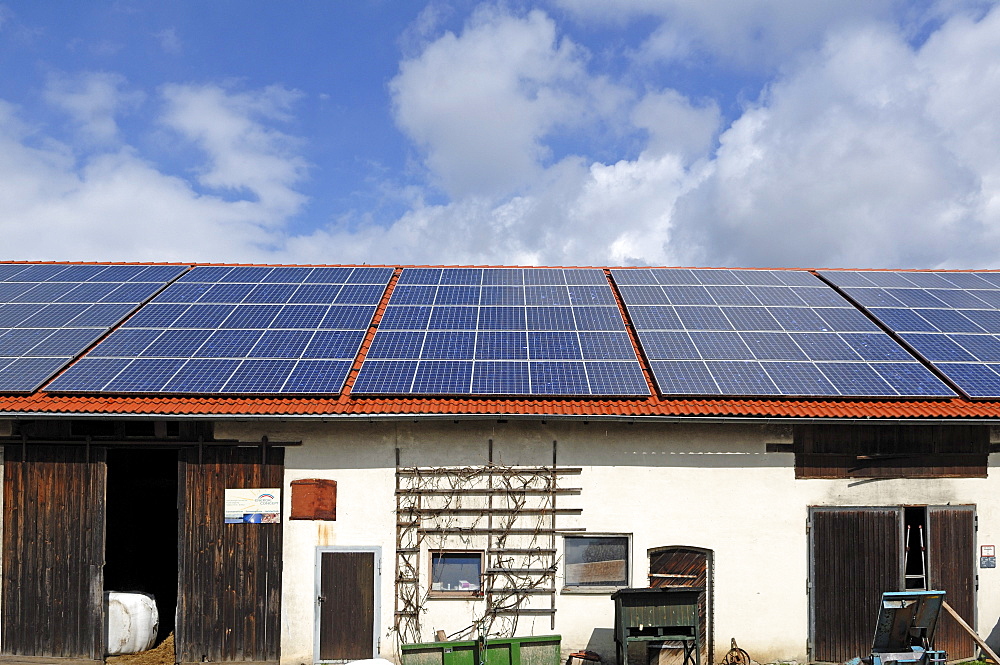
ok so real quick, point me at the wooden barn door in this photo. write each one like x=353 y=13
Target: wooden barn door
x=229 y=583
x=346 y=605
x=855 y=555
x=951 y=549
x=53 y=552
x=680 y=567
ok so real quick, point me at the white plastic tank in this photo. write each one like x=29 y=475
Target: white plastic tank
x=132 y=622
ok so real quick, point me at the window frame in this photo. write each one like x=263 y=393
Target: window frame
x=605 y=589
x=455 y=593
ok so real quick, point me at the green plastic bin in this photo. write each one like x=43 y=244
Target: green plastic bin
x=534 y=650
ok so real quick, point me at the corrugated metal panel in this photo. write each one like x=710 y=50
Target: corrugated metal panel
x=951 y=562
x=855 y=557
x=229 y=590
x=53 y=544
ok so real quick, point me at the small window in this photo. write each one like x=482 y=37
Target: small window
x=596 y=561
x=458 y=573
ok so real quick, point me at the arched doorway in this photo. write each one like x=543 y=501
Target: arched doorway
x=685 y=566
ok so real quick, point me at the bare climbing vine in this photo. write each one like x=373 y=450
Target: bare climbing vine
x=506 y=512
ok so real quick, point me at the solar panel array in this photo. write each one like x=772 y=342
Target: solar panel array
x=952 y=319
x=50 y=313
x=501 y=331
x=764 y=333
x=238 y=330
x=496 y=331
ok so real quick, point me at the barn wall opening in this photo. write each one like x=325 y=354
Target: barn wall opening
x=141 y=537
x=915 y=547
x=858 y=553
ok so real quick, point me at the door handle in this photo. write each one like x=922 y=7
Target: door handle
x=321 y=599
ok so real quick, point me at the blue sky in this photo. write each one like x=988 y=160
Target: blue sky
x=846 y=133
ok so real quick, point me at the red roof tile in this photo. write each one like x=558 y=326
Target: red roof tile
x=41 y=404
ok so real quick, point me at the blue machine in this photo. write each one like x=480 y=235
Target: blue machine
x=905 y=629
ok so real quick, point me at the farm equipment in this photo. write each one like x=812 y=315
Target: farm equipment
x=905 y=629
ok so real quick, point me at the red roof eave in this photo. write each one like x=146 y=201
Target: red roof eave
x=45 y=404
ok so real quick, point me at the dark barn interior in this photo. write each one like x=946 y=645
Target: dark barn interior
x=141 y=552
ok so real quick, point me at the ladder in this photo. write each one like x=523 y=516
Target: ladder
x=916 y=580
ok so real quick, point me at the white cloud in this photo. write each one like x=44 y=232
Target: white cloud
x=675 y=125
x=754 y=34
x=870 y=154
x=575 y=214
x=483 y=105
x=867 y=152
x=480 y=104
x=59 y=203
x=244 y=154
x=92 y=100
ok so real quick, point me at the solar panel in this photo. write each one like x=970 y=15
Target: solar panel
x=51 y=313
x=501 y=331
x=764 y=332
x=951 y=319
x=239 y=330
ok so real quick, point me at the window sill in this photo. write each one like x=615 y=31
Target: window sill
x=592 y=590
x=455 y=595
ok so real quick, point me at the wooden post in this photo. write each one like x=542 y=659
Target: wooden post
x=961 y=622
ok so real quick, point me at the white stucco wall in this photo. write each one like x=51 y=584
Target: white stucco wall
x=704 y=485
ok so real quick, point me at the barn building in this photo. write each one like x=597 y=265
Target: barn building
x=322 y=463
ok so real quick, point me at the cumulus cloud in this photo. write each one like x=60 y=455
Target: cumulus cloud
x=113 y=204
x=870 y=154
x=480 y=104
x=577 y=214
x=676 y=125
x=867 y=149
x=485 y=106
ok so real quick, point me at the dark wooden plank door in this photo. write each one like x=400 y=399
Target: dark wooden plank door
x=678 y=567
x=53 y=544
x=855 y=556
x=951 y=551
x=347 y=606
x=229 y=584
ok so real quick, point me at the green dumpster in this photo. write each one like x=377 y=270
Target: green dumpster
x=534 y=650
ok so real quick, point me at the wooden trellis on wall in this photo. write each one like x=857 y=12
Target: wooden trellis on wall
x=507 y=512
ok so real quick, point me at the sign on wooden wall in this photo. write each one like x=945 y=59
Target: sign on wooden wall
x=254 y=505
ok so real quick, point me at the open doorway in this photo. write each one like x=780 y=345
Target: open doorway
x=915 y=547
x=141 y=527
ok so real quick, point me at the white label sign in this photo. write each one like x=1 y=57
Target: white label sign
x=254 y=506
